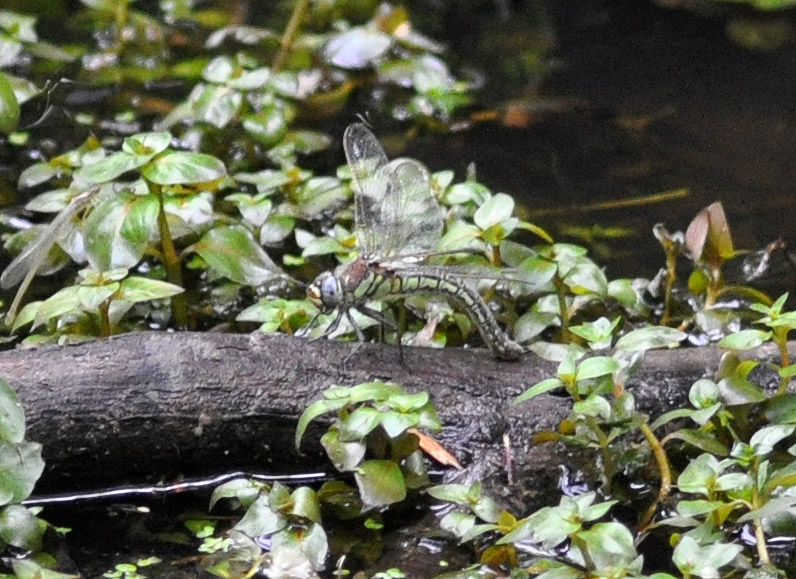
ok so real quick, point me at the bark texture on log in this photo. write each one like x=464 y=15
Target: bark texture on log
x=157 y=405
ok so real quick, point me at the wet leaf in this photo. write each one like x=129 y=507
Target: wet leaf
x=12 y=417
x=345 y=456
x=233 y=253
x=357 y=48
x=181 y=168
x=260 y=520
x=215 y=105
x=763 y=440
x=30 y=569
x=702 y=441
x=313 y=411
x=380 y=483
x=119 y=229
x=136 y=289
x=305 y=504
x=744 y=340
x=9 y=106
x=649 y=338
x=396 y=423
x=147 y=144
x=609 y=544
x=20 y=528
x=62 y=302
x=695 y=560
x=109 y=168
x=243 y=489
x=21 y=466
x=267 y=127
x=539 y=388
x=494 y=211
x=596 y=367
x=360 y=423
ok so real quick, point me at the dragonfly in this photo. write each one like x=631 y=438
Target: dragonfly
x=26 y=265
x=398 y=223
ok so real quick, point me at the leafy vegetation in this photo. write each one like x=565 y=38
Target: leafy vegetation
x=211 y=210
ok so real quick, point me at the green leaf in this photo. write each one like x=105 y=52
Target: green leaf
x=380 y=483
x=693 y=559
x=345 y=456
x=215 y=105
x=30 y=569
x=735 y=390
x=596 y=367
x=763 y=440
x=62 y=302
x=136 y=289
x=9 y=106
x=233 y=253
x=268 y=127
x=357 y=48
x=243 y=489
x=20 y=528
x=361 y=422
x=782 y=409
x=697 y=507
x=181 y=168
x=649 y=338
x=119 y=229
x=702 y=441
x=20 y=467
x=396 y=423
x=305 y=504
x=703 y=393
x=452 y=493
x=744 y=340
x=313 y=411
x=495 y=210
x=91 y=297
x=700 y=475
x=260 y=519
x=594 y=405
x=147 y=144
x=109 y=168
x=36 y=174
x=608 y=544
x=12 y=417
x=218 y=70
x=538 y=388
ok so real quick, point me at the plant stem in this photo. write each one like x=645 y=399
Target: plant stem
x=608 y=462
x=171 y=261
x=289 y=37
x=668 y=288
x=781 y=338
x=760 y=536
x=105 y=318
x=664 y=469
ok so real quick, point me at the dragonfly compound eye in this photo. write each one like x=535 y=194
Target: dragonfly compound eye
x=331 y=292
x=325 y=292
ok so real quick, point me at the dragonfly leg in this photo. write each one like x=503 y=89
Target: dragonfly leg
x=357 y=329
x=378 y=316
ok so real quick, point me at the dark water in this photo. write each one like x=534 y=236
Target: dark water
x=639 y=100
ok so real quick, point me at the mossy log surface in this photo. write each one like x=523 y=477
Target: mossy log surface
x=153 y=406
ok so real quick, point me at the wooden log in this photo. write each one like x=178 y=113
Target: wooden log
x=150 y=406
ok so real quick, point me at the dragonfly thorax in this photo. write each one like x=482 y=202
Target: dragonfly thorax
x=325 y=292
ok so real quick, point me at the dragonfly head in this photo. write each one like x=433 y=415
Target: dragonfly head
x=325 y=292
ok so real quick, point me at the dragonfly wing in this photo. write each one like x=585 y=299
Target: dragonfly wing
x=365 y=158
x=411 y=217
x=35 y=252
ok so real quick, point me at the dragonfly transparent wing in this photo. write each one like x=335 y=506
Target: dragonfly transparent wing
x=26 y=264
x=35 y=252
x=395 y=210
x=365 y=158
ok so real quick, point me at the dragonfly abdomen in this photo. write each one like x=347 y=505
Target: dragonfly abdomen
x=401 y=284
